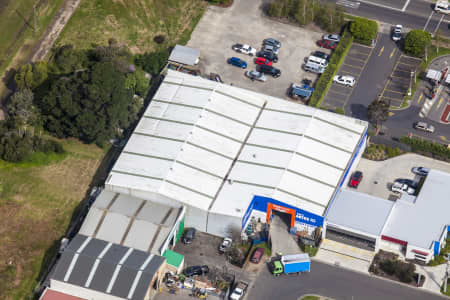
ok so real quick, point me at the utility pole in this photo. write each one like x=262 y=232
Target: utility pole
x=410 y=83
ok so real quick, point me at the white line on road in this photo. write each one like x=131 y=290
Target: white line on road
x=380 y=5
x=428 y=21
x=406 y=5
x=439 y=23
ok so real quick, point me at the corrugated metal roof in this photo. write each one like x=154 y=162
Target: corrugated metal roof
x=291 y=152
x=107 y=268
x=362 y=212
x=422 y=222
x=184 y=55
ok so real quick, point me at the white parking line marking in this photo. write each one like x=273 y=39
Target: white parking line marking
x=439 y=23
x=405 y=6
x=428 y=21
x=380 y=5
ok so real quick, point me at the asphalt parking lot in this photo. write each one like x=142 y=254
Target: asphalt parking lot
x=353 y=65
x=379 y=175
x=244 y=22
x=398 y=83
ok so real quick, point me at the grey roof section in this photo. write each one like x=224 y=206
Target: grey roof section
x=184 y=55
x=359 y=211
x=87 y=257
x=422 y=222
x=130 y=221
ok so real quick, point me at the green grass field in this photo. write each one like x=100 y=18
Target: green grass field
x=133 y=22
x=36 y=206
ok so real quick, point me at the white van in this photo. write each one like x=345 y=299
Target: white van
x=313 y=67
x=442 y=6
x=317 y=60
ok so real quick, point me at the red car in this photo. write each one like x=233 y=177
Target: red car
x=257 y=255
x=356 y=179
x=263 y=61
x=327 y=44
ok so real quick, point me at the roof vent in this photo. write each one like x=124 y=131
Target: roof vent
x=254 y=155
x=230 y=181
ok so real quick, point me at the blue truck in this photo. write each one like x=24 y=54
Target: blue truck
x=302 y=91
x=291 y=264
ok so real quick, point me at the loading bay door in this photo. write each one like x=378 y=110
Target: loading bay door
x=350 y=238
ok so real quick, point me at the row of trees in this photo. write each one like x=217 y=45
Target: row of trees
x=328 y=16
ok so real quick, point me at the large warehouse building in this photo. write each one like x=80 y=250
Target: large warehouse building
x=225 y=153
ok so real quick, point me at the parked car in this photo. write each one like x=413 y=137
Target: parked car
x=355 y=179
x=269 y=55
x=327 y=44
x=255 y=75
x=409 y=182
x=442 y=6
x=196 y=270
x=303 y=91
x=270 y=70
x=332 y=37
x=271 y=48
x=313 y=67
x=239 y=290
x=317 y=60
x=189 y=236
x=345 y=80
x=244 y=48
x=321 y=54
x=421 y=171
x=225 y=245
x=397 y=33
x=235 y=61
x=398 y=187
x=257 y=255
x=273 y=42
x=424 y=126
x=263 y=61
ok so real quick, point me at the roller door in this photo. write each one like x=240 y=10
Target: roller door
x=350 y=238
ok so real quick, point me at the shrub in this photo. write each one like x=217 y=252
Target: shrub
x=419 y=145
x=364 y=30
x=159 y=39
x=416 y=41
x=340 y=110
x=152 y=62
x=326 y=78
x=405 y=271
x=388 y=266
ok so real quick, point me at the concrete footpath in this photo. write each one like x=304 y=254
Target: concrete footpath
x=282 y=241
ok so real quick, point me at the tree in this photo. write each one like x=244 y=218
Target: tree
x=68 y=60
x=416 y=41
x=364 y=30
x=21 y=109
x=152 y=62
x=378 y=112
x=24 y=77
x=40 y=73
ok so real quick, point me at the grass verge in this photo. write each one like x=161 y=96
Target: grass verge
x=134 y=23
x=448 y=290
x=36 y=205
x=440 y=259
x=325 y=80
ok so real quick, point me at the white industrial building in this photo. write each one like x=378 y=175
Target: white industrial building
x=225 y=153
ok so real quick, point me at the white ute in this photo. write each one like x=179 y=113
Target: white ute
x=402 y=188
x=442 y=6
x=239 y=291
x=345 y=80
x=245 y=49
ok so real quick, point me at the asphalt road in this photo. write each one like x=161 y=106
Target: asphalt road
x=332 y=282
x=417 y=14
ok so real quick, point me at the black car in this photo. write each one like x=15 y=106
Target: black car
x=270 y=70
x=269 y=55
x=189 y=236
x=409 y=182
x=272 y=42
x=321 y=54
x=196 y=270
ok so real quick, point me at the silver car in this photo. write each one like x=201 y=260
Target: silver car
x=255 y=75
x=271 y=48
x=424 y=126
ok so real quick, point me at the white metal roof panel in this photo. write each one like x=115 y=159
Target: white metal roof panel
x=266 y=156
x=283 y=121
x=153 y=212
x=323 y=152
x=300 y=203
x=274 y=139
x=224 y=126
x=126 y=205
x=173 y=112
x=256 y=174
x=104 y=199
x=113 y=227
x=214 y=142
x=160 y=239
x=90 y=222
x=233 y=108
x=142 y=165
x=192 y=96
x=133 y=182
x=186 y=196
x=153 y=146
x=368 y=213
x=349 y=123
x=315 y=169
x=140 y=235
x=163 y=128
x=166 y=92
x=289 y=107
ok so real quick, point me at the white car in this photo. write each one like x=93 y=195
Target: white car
x=442 y=6
x=332 y=37
x=402 y=188
x=244 y=48
x=397 y=33
x=255 y=75
x=345 y=80
x=226 y=245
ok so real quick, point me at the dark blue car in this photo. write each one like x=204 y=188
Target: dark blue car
x=235 y=61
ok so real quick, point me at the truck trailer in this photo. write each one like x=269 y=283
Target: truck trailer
x=291 y=264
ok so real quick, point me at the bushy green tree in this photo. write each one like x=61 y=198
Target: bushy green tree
x=378 y=112
x=67 y=59
x=152 y=62
x=364 y=30
x=21 y=109
x=24 y=77
x=416 y=41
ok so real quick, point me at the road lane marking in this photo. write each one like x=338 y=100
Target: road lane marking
x=439 y=23
x=405 y=6
x=380 y=5
x=394 y=91
x=443 y=138
x=352 y=66
x=349 y=4
x=393 y=51
x=439 y=103
x=381 y=51
x=420 y=98
x=428 y=20
x=339 y=93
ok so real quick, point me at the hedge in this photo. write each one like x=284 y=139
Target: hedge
x=364 y=30
x=325 y=80
x=419 y=145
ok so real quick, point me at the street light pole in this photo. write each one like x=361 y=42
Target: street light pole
x=410 y=83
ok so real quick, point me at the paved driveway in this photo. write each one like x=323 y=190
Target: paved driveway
x=379 y=175
x=244 y=22
x=353 y=65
